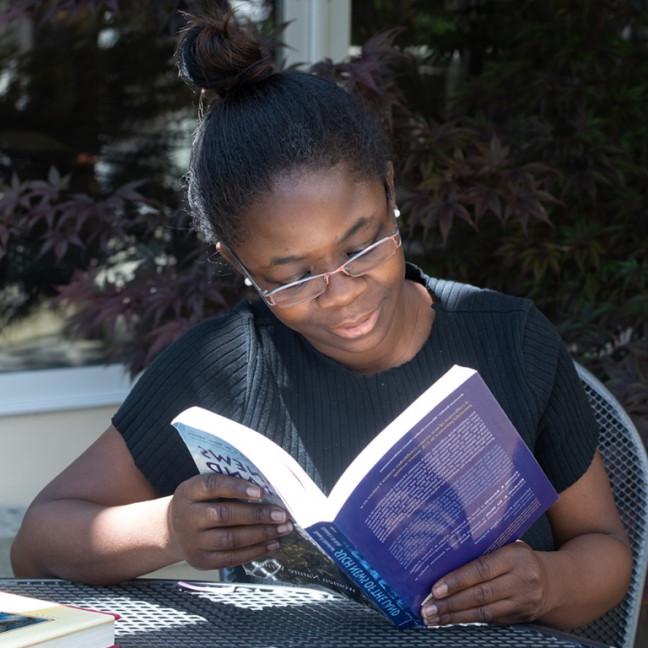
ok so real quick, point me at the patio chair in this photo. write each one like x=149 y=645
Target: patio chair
x=625 y=460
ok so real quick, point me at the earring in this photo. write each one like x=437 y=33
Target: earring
x=396 y=213
x=247 y=282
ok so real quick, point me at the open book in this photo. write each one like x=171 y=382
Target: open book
x=26 y=621
x=448 y=480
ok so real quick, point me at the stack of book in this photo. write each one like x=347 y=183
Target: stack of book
x=26 y=621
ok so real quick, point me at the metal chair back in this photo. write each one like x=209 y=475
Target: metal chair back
x=624 y=456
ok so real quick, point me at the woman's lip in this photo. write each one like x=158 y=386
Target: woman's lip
x=359 y=327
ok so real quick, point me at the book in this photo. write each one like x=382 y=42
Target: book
x=448 y=480
x=26 y=621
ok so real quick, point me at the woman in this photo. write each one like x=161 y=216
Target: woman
x=290 y=179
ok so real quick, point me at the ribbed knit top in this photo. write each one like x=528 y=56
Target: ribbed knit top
x=248 y=366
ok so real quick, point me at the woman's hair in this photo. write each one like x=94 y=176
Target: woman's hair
x=262 y=124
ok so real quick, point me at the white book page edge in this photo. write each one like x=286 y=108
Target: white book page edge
x=399 y=427
x=294 y=486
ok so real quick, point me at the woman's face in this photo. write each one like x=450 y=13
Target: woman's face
x=311 y=222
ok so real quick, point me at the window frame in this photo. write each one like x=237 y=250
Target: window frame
x=65 y=388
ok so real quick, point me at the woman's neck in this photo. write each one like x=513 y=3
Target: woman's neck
x=409 y=331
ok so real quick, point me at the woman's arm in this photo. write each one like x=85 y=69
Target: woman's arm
x=591 y=572
x=100 y=521
x=586 y=576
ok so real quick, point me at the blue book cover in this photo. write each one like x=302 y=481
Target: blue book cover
x=447 y=481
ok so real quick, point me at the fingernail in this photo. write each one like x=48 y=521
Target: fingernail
x=431 y=612
x=253 y=491
x=271 y=546
x=427 y=599
x=439 y=590
x=278 y=516
x=283 y=529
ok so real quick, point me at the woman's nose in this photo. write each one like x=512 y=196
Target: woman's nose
x=341 y=290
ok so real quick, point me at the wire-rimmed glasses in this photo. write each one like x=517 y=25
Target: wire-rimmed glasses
x=309 y=288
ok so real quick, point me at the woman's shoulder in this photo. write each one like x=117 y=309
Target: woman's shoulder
x=236 y=322
x=228 y=343
x=212 y=359
x=455 y=296
x=207 y=342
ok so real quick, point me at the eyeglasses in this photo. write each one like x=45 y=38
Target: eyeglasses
x=303 y=290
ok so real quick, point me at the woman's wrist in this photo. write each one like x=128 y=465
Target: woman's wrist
x=171 y=544
x=556 y=567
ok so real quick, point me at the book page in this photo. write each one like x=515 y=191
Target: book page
x=461 y=483
x=219 y=445
x=399 y=427
x=300 y=561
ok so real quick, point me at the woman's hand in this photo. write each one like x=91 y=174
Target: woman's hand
x=217 y=521
x=508 y=585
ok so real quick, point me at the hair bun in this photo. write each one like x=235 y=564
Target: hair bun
x=221 y=54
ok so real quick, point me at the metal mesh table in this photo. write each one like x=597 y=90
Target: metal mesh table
x=163 y=613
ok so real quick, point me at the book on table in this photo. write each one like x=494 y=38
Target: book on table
x=26 y=621
x=448 y=480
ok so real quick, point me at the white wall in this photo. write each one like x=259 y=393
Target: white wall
x=36 y=447
x=48 y=418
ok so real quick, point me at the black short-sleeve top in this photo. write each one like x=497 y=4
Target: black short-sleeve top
x=248 y=366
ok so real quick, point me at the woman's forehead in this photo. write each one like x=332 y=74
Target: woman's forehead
x=309 y=212
x=317 y=186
